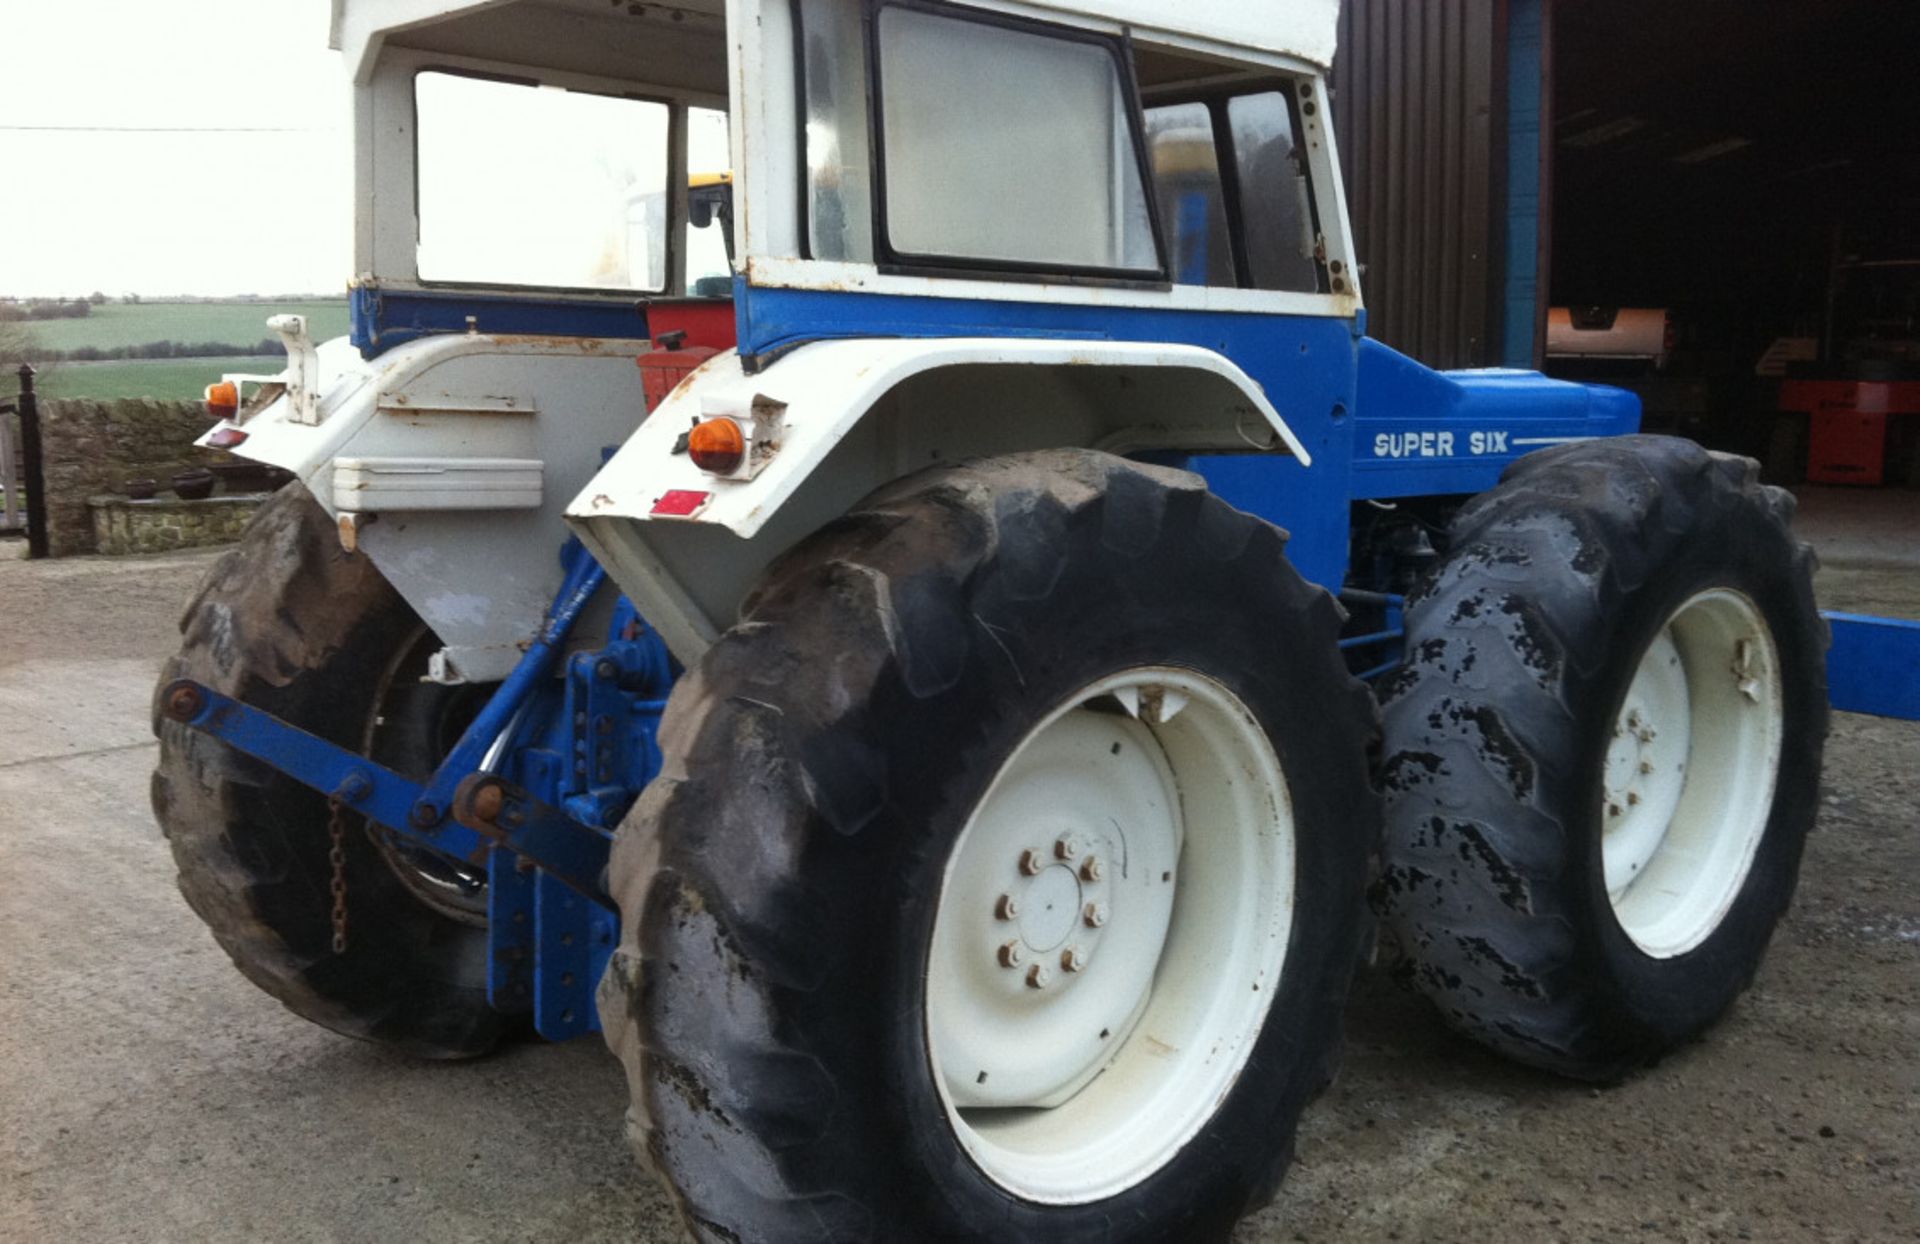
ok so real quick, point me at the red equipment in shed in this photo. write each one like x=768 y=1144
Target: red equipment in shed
x=1848 y=406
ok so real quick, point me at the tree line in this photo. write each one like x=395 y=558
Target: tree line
x=157 y=350
x=15 y=311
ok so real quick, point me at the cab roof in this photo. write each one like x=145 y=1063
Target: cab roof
x=1303 y=29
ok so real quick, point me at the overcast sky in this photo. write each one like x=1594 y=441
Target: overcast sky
x=172 y=147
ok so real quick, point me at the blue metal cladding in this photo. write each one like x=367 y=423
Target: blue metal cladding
x=1425 y=433
x=1305 y=364
x=1874 y=666
x=1378 y=424
x=385 y=318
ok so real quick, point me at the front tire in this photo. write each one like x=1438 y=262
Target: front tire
x=1603 y=753
x=1004 y=879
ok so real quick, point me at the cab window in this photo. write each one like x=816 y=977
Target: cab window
x=1040 y=169
x=1233 y=191
x=521 y=184
x=709 y=235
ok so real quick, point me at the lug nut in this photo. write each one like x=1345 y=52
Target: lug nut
x=1091 y=870
x=1646 y=766
x=1006 y=908
x=1633 y=797
x=1064 y=849
x=1031 y=863
x=1038 y=976
x=1095 y=915
x=1010 y=955
x=1072 y=959
x=1613 y=809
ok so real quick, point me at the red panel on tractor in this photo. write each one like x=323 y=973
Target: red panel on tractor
x=686 y=333
x=706 y=321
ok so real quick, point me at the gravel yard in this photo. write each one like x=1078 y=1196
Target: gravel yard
x=147 y=1092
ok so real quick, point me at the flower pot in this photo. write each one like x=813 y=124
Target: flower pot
x=142 y=489
x=193 y=485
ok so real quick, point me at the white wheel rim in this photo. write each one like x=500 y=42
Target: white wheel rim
x=1690 y=773
x=1083 y=1033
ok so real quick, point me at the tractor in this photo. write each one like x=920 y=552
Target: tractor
x=861 y=550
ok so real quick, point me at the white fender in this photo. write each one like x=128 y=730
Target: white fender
x=827 y=388
x=848 y=416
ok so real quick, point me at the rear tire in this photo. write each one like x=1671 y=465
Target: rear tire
x=289 y=623
x=1603 y=753
x=810 y=886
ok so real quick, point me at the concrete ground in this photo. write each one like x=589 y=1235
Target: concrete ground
x=148 y=1093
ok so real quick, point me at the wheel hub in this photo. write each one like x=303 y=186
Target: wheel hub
x=1082 y=1029
x=1646 y=763
x=1688 y=782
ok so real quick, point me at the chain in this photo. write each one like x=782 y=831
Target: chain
x=337 y=856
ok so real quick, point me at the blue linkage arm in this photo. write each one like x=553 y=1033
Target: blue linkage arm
x=491 y=813
x=460 y=812
x=583 y=578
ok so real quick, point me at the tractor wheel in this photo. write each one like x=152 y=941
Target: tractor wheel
x=1006 y=874
x=1603 y=753
x=289 y=623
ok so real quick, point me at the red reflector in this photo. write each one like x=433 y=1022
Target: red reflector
x=226 y=438
x=681 y=503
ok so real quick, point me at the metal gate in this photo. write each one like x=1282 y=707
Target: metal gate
x=23 y=493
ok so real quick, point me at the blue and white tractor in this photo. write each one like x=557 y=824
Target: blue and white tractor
x=861 y=549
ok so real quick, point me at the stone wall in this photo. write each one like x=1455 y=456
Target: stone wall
x=94 y=447
x=166 y=523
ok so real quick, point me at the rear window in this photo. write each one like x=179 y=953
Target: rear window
x=532 y=185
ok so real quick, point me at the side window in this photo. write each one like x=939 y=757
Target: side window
x=1009 y=146
x=839 y=194
x=1249 y=224
x=532 y=185
x=1276 y=201
x=1193 y=206
x=709 y=205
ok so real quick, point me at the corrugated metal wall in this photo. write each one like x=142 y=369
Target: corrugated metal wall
x=1418 y=84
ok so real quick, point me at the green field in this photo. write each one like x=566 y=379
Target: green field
x=237 y=323
x=182 y=379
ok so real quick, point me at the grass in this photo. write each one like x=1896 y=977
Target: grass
x=237 y=323
x=179 y=379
